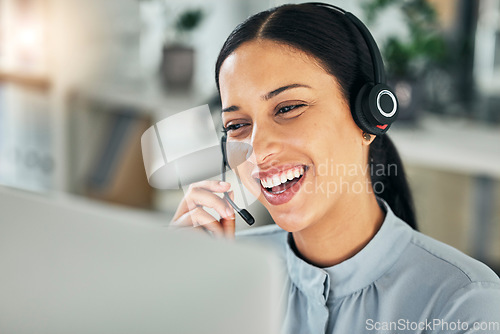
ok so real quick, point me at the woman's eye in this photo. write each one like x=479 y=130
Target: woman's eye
x=233 y=127
x=285 y=109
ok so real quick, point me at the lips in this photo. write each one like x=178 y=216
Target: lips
x=279 y=185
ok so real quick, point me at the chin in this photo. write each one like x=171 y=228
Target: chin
x=291 y=226
x=290 y=221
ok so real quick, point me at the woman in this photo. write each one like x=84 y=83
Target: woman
x=288 y=80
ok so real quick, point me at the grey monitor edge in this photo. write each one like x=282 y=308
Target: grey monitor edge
x=70 y=268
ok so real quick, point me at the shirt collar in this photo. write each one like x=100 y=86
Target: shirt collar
x=357 y=272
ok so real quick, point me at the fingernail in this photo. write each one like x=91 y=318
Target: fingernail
x=229 y=212
x=225 y=184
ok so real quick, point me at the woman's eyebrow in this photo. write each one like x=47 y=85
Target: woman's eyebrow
x=231 y=108
x=282 y=89
x=269 y=95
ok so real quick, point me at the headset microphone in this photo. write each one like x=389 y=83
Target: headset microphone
x=244 y=214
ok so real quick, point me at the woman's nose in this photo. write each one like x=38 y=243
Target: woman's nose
x=266 y=144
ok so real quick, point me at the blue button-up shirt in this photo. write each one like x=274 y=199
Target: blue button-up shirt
x=401 y=282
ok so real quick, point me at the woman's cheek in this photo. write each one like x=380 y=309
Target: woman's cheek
x=245 y=174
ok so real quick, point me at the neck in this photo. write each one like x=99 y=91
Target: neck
x=342 y=233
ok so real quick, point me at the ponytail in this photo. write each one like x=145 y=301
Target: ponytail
x=390 y=184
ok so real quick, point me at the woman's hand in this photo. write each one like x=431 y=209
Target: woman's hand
x=190 y=212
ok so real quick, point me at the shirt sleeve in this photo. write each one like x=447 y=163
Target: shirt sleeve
x=474 y=308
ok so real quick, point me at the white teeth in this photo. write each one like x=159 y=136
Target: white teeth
x=276 y=180
x=296 y=173
x=269 y=182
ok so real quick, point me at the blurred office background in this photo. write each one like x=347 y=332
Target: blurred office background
x=80 y=81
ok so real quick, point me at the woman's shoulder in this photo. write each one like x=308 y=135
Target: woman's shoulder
x=461 y=286
x=434 y=261
x=450 y=261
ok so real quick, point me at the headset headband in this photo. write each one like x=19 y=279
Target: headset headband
x=378 y=64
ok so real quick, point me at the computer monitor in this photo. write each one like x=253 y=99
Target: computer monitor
x=71 y=266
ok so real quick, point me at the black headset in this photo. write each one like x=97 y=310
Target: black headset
x=375 y=109
x=376 y=106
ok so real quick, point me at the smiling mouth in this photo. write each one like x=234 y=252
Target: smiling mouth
x=278 y=184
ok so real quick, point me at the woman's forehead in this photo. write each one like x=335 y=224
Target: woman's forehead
x=264 y=54
x=264 y=64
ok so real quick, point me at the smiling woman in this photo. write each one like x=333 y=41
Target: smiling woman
x=293 y=114
x=303 y=85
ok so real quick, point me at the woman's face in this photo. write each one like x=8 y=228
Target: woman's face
x=308 y=154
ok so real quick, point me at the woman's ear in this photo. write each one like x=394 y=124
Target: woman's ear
x=367 y=138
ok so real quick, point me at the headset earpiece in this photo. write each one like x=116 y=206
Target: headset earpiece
x=376 y=107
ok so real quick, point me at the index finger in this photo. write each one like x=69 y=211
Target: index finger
x=212 y=185
x=209 y=185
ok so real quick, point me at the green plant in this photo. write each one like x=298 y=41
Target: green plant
x=178 y=26
x=425 y=46
x=189 y=20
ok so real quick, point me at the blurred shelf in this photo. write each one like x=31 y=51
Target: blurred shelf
x=465 y=147
x=461 y=146
x=151 y=101
x=102 y=110
x=30 y=80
